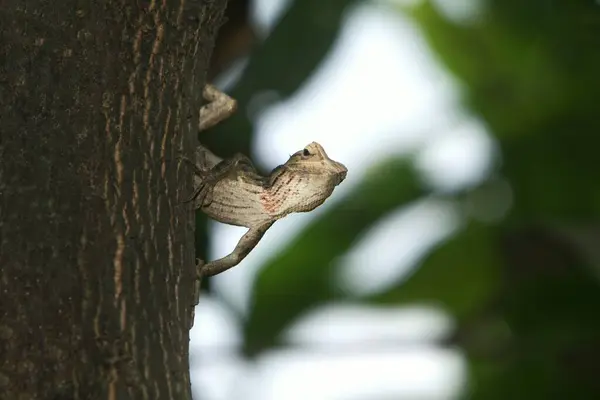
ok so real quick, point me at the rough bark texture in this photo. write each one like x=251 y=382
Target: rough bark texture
x=96 y=250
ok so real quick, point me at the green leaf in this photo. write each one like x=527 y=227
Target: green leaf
x=522 y=63
x=554 y=173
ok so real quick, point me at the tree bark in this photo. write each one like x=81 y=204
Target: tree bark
x=97 y=276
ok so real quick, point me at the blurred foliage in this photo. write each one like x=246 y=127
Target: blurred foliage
x=460 y=257
x=524 y=290
x=530 y=69
x=304 y=281
x=279 y=65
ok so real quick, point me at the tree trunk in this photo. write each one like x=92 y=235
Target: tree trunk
x=97 y=273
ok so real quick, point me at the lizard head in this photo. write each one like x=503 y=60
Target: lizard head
x=313 y=160
x=303 y=183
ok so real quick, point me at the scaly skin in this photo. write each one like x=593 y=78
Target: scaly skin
x=234 y=193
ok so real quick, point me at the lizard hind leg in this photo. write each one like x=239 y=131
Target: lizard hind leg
x=202 y=196
x=203 y=193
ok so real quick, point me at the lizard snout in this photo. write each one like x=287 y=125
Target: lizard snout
x=339 y=170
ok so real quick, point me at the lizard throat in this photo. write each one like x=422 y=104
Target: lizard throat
x=293 y=192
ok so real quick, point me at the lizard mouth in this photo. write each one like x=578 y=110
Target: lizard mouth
x=340 y=171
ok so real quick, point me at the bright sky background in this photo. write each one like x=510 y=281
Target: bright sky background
x=414 y=105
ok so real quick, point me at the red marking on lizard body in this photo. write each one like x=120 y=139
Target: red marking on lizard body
x=268 y=202
x=272 y=200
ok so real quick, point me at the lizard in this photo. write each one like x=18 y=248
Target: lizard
x=233 y=192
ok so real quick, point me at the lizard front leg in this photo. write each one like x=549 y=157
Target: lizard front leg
x=219 y=107
x=244 y=246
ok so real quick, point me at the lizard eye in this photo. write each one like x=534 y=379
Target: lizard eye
x=305 y=153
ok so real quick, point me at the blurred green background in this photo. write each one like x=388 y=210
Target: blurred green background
x=522 y=287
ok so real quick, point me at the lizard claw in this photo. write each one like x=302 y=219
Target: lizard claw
x=179 y=157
